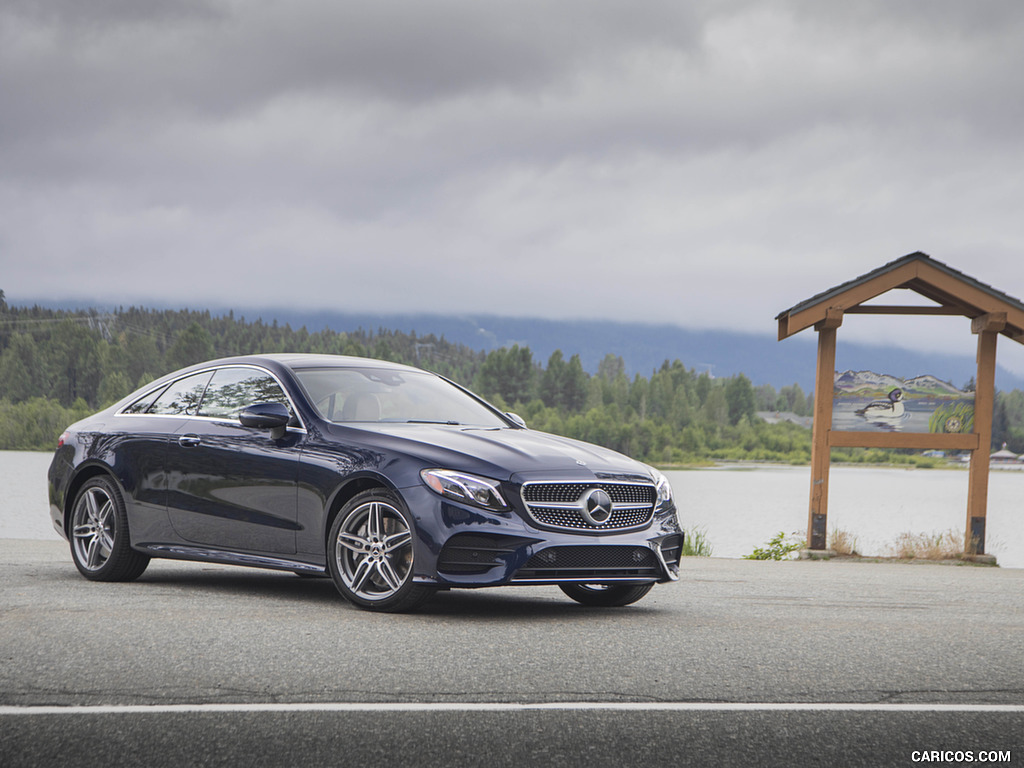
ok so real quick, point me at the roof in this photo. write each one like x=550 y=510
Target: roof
x=312 y=360
x=1004 y=455
x=285 y=360
x=953 y=292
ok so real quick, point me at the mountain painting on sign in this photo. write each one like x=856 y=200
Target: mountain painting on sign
x=864 y=401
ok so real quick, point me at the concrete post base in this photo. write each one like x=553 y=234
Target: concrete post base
x=981 y=559
x=817 y=554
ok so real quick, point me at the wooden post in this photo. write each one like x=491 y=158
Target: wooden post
x=987 y=328
x=821 y=453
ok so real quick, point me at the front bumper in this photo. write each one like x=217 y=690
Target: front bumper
x=462 y=546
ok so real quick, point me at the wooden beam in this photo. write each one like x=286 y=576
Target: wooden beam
x=784 y=327
x=887 y=309
x=993 y=322
x=832 y=320
x=918 y=440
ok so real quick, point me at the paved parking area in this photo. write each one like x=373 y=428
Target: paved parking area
x=737 y=642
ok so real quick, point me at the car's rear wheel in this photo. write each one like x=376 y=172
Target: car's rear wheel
x=605 y=595
x=372 y=553
x=100 y=544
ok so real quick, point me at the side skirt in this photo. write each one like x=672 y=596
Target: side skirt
x=204 y=554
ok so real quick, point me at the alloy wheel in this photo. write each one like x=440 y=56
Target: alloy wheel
x=94 y=527
x=373 y=551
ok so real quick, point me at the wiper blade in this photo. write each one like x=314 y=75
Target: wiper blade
x=429 y=421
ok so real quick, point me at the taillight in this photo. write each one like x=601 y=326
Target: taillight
x=62 y=439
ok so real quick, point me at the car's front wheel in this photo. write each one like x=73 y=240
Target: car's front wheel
x=371 y=554
x=606 y=595
x=100 y=544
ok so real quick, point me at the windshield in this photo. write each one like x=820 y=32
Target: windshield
x=381 y=395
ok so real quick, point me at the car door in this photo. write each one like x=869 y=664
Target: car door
x=232 y=487
x=144 y=430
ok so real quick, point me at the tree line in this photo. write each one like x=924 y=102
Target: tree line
x=57 y=366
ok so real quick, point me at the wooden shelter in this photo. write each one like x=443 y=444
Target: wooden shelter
x=953 y=293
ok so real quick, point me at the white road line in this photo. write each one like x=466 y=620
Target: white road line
x=455 y=706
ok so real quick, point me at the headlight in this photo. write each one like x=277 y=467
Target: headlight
x=663 y=486
x=470 y=489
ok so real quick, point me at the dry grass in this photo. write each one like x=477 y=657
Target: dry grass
x=948 y=545
x=843 y=542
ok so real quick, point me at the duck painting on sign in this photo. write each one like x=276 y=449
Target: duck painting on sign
x=864 y=401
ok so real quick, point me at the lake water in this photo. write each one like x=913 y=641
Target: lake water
x=738 y=507
x=742 y=508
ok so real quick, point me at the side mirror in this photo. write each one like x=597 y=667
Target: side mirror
x=517 y=420
x=272 y=416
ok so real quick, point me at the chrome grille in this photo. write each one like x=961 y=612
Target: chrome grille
x=559 y=505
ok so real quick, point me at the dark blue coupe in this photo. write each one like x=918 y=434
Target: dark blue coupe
x=394 y=481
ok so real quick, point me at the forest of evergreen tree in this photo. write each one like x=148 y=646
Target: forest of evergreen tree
x=58 y=366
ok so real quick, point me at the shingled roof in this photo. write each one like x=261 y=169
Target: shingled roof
x=953 y=292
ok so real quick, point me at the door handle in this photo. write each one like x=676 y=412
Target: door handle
x=188 y=441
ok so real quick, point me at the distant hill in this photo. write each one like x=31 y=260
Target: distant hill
x=642 y=347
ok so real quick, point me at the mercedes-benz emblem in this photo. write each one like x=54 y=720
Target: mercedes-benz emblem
x=596 y=506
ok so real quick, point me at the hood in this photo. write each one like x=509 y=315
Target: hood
x=501 y=453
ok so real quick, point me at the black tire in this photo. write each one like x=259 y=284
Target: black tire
x=605 y=595
x=370 y=554
x=100 y=543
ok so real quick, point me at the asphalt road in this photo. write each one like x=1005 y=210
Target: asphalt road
x=740 y=663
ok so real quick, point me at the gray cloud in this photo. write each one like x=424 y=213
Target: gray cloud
x=699 y=163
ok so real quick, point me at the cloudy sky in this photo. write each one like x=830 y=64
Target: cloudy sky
x=707 y=164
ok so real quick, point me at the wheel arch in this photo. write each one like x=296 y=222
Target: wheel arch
x=349 y=491
x=84 y=474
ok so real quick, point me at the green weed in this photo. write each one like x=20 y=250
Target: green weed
x=695 y=542
x=779 y=548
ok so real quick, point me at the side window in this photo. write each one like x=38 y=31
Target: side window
x=143 y=404
x=183 y=396
x=233 y=389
